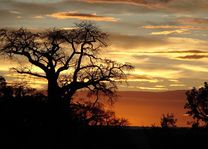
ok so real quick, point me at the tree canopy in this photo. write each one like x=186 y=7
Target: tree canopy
x=69 y=59
x=197 y=104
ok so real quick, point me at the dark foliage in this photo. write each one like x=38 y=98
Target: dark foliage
x=95 y=115
x=197 y=105
x=168 y=120
x=27 y=121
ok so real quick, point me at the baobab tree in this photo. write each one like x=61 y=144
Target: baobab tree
x=70 y=60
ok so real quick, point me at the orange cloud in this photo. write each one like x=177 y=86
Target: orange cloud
x=81 y=16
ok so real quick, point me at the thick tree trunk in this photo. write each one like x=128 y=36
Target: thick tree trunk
x=57 y=112
x=56 y=107
x=53 y=91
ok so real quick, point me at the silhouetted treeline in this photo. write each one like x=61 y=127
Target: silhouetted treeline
x=28 y=122
x=27 y=117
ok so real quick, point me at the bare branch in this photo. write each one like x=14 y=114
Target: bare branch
x=74 y=51
x=29 y=72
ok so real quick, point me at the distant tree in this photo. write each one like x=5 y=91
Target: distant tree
x=2 y=86
x=2 y=82
x=168 y=120
x=194 y=124
x=70 y=60
x=6 y=92
x=197 y=104
x=96 y=115
x=21 y=90
x=17 y=90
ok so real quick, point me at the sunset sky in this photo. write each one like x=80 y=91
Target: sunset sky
x=166 y=40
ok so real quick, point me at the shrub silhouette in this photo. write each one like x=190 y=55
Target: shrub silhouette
x=168 y=120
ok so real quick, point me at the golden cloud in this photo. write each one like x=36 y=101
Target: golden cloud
x=153 y=88
x=194 y=68
x=177 y=85
x=142 y=78
x=81 y=16
x=155 y=73
x=170 y=32
x=176 y=27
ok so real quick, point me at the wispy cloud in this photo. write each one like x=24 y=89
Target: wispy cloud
x=193 y=68
x=175 y=27
x=142 y=78
x=38 y=17
x=81 y=16
x=176 y=51
x=194 y=56
x=157 y=88
x=177 y=85
x=131 y=2
x=14 y=12
x=189 y=20
x=122 y=41
x=176 y=6
x=170 y=32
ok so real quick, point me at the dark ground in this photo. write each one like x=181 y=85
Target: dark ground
x=105 y=138
x=25 y=125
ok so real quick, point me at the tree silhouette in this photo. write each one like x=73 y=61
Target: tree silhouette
x=96 y=115
x=2 y=86
x=70 y=60
x=197 y=104
x=6 y=92
x=168 y=120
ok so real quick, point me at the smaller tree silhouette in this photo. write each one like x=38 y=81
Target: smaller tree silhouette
x=194 y=124
x=91 y=114
x=168 y=120
x=197 y=104
x=2 y=85
x=22 y=89
x=6 y=91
